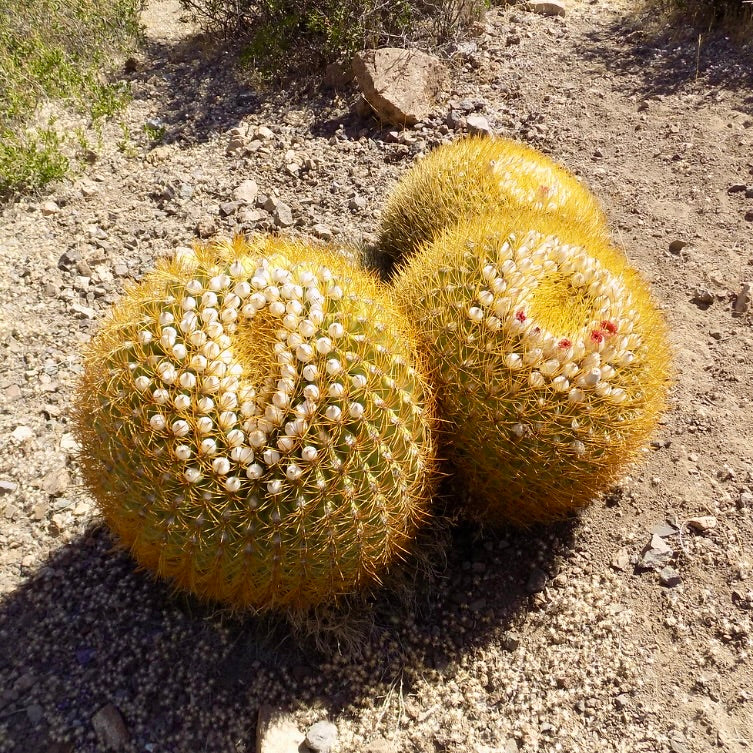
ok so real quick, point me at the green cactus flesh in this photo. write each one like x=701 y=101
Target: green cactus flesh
x=550 y=357
x=475 y=175
x=256 y=426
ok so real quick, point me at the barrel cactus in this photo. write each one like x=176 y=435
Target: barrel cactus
x=256 y=426
x=551 y=360
x=476 y=175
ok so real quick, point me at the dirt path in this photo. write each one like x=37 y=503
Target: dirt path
x=549 y=640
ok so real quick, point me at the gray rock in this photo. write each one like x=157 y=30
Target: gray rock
x=7 y=487
x=49 y=208
x=669 y=577
x=537 y=581
x=276 y=732
x=322 y=737
x=656 y=554
x=322 y=231
x=546 y=7
x=621 y=560
x=229 y=207
x=264 y=133
x=35 y=714
x=381 y=745
x=84 y=312
x=478 y=124
x=110 y=727
x=283 y=215
x=664 y=529
x=357 y=202
x=402 y=86
x=703 y=297
x=56 y=482
x=246 y=192
x=702 y=523
x=743 y=299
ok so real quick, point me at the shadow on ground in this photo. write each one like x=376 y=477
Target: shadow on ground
x=660 y=61
x=87 y=630
x=200 y=90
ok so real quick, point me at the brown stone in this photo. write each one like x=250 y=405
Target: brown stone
x=402 y=86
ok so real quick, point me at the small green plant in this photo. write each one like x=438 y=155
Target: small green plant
x=155 y=133
x=256 y=425
x=55 y=50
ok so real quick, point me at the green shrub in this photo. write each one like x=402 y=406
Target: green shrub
x=710 y=12
x=319 y=31
x=55 y=50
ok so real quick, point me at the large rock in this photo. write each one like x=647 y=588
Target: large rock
x=402 y=86
x=276 y=732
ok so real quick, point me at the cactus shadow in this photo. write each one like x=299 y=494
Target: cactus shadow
x=86 y=629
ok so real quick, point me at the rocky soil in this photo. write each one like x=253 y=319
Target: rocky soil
x=627 y=630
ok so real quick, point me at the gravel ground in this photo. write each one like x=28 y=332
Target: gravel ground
x=626 y=630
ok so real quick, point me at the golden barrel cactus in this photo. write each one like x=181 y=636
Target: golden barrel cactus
x=256 y=426
x=476 y=175
x=550 y=356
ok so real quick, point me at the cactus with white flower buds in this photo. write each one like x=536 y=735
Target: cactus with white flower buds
x=550 y=356
x=256 y=426
x=476 y=175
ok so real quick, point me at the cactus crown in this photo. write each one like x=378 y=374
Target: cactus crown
x=256 y=425
x=551 y=357
x=476 y=175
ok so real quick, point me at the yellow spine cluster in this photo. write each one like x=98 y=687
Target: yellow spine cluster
x=476 y=175
x=550 y=355
x=256 y=425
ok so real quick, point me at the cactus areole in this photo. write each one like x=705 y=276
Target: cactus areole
x=550 y=355
x=256 y=426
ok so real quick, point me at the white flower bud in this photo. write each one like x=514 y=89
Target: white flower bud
x=578 y=447
x=204 y=425
x=561 y=384
x=285 y=443
x=513 y=361
x=142 y=383
x=242 y=455
x=220 y=282
x=309 y=453
x=254 y=471
x=518 y=430
x=232 y=484
x=307 y=329
x=210 y=384
x=221 y=466
x=192 y=475
x=536 y=379
x=160 y=396
x=311 y=391
x=235 y=438
x=270 y=456
x=214 y=330
x=324 y=345
x=335 y=330
x=166 y=318
x=208 y=447
x=227 y=401
x=227 y=419
x=157 y=422
x=168 y=337
x=333 y=413
x=310 y=372
x=182 y=402
x=576 y=395
x=257 y=438
x=188 y=303
x=333 y=366
x=304 y=353
x=205 y=404
x=187 y=380
x=182 y=452
x=275 y=486
x=356 y=410
x=550 y=368
x=293 y=472
x=336 y=390
x=180 y=428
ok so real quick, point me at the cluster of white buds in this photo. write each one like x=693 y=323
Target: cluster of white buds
x=196 y=386
x=529 y=183
x=583 y=363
